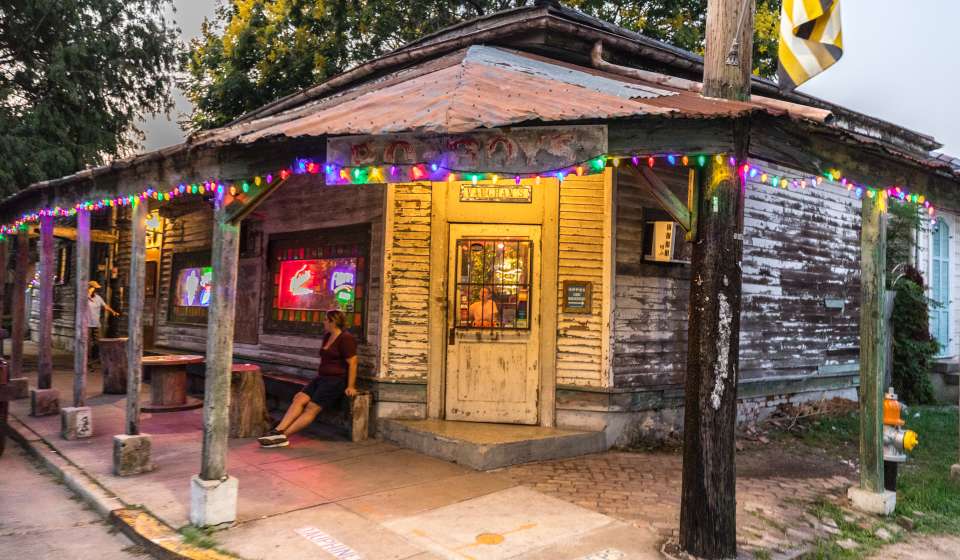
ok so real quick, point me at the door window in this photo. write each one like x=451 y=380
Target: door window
x=493 y=283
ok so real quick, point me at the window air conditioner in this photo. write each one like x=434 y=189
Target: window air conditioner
x=665 y=243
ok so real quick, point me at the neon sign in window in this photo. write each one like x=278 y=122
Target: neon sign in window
x=194 y=286
x=318 y=284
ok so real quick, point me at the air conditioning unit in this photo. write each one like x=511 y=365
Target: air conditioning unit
x=665 y=241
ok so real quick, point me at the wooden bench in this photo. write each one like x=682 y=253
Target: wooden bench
x=351 y=414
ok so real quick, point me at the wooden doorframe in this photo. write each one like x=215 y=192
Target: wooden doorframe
x=439 y=255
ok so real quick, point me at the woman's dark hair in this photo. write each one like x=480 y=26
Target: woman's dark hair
x=338 y=318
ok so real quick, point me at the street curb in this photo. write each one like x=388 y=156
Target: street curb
x=140 y=526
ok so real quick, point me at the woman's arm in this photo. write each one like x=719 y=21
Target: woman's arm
x=351 y=377
x=110 y=310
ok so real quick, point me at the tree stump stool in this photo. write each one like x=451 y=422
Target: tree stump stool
x=113 y=365
x=248 y=402
x=168 y=383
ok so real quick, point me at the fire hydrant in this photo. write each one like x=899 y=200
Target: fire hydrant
x=897 y=442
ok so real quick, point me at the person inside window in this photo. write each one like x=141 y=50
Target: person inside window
x=484 y=312
x=337 y=376
x=95 y=307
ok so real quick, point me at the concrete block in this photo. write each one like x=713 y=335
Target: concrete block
x=131 y=454
x=76 y=422
x=20 y=386
x=44 y=402
x=955 y=472
x=879 y=503
x=213 y=502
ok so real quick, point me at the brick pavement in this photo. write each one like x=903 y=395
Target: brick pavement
x=775 y=485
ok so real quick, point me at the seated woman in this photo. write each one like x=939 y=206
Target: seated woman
x=336 y=376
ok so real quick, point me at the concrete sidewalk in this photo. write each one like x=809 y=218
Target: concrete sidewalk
x=327 y=497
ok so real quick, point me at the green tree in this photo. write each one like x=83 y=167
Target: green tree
x=255 y=51
x=75 y=75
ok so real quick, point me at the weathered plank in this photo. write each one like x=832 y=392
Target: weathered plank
x=81 y=332
x=216 y=396
x=19 y=310
x=138 y=239
x=45 y=326
x=872 y=340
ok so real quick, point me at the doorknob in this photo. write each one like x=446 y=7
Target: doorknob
x=452 y=337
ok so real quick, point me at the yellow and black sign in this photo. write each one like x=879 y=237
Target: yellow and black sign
x=496 y=193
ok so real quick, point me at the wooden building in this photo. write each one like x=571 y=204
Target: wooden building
x=501 y=208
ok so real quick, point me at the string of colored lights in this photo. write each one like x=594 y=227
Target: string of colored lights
x=336 y=174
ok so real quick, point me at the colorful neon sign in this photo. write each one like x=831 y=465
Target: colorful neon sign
x=317 y=284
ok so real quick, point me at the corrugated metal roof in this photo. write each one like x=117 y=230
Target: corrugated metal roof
x=492 y=87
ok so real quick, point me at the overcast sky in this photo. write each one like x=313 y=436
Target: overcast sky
x=901 y=63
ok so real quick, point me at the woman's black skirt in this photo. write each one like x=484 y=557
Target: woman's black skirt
x=326 y=390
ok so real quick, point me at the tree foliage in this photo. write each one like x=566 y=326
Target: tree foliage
x=255 y=51
x=75 y=75
x=913 y=347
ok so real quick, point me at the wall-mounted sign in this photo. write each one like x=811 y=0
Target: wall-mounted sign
x=496 y=193
x=510 y=151
x=577 y=296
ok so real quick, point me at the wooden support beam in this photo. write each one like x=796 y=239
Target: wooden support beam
x=220 y=326
x=65 y=232
x=138 y=270
x=243 y=205
x=873 y=265
x=19 y=311
x=669 y=201
x=81 y=331
x=45 y=323
x=693 y=202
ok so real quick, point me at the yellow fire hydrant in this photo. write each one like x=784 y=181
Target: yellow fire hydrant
x=897 y=441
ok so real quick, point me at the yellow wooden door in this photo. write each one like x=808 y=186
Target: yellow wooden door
x=493 y=324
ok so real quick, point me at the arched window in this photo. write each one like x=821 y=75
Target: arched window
x=940 y=285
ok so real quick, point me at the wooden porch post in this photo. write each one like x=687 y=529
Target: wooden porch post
x=213 y=494
x=708 y=505
x=81 y=332
x=138 y=241
x=45 y=326
x=870 y=494
x=220 y=323
x=19 y=311
x=4 y=257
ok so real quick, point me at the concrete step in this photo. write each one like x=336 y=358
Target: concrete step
x=485 y=446
x=946 y=366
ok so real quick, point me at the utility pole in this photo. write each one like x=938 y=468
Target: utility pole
x=708 y=499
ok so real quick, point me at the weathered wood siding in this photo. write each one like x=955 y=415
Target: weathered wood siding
x=407 y=262
x=650 y=311
x=304 y=203
x=801 y=248
x=580 y=337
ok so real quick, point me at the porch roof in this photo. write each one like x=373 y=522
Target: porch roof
x=490 y=87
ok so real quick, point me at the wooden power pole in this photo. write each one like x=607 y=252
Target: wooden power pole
x=708 y=499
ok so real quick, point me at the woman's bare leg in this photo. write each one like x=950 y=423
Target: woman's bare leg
x=309 y=415
x=300 y=401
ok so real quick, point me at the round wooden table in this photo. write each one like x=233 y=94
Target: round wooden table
x=168 y=382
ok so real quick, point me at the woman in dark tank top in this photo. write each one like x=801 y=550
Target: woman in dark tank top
x=336 y=376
